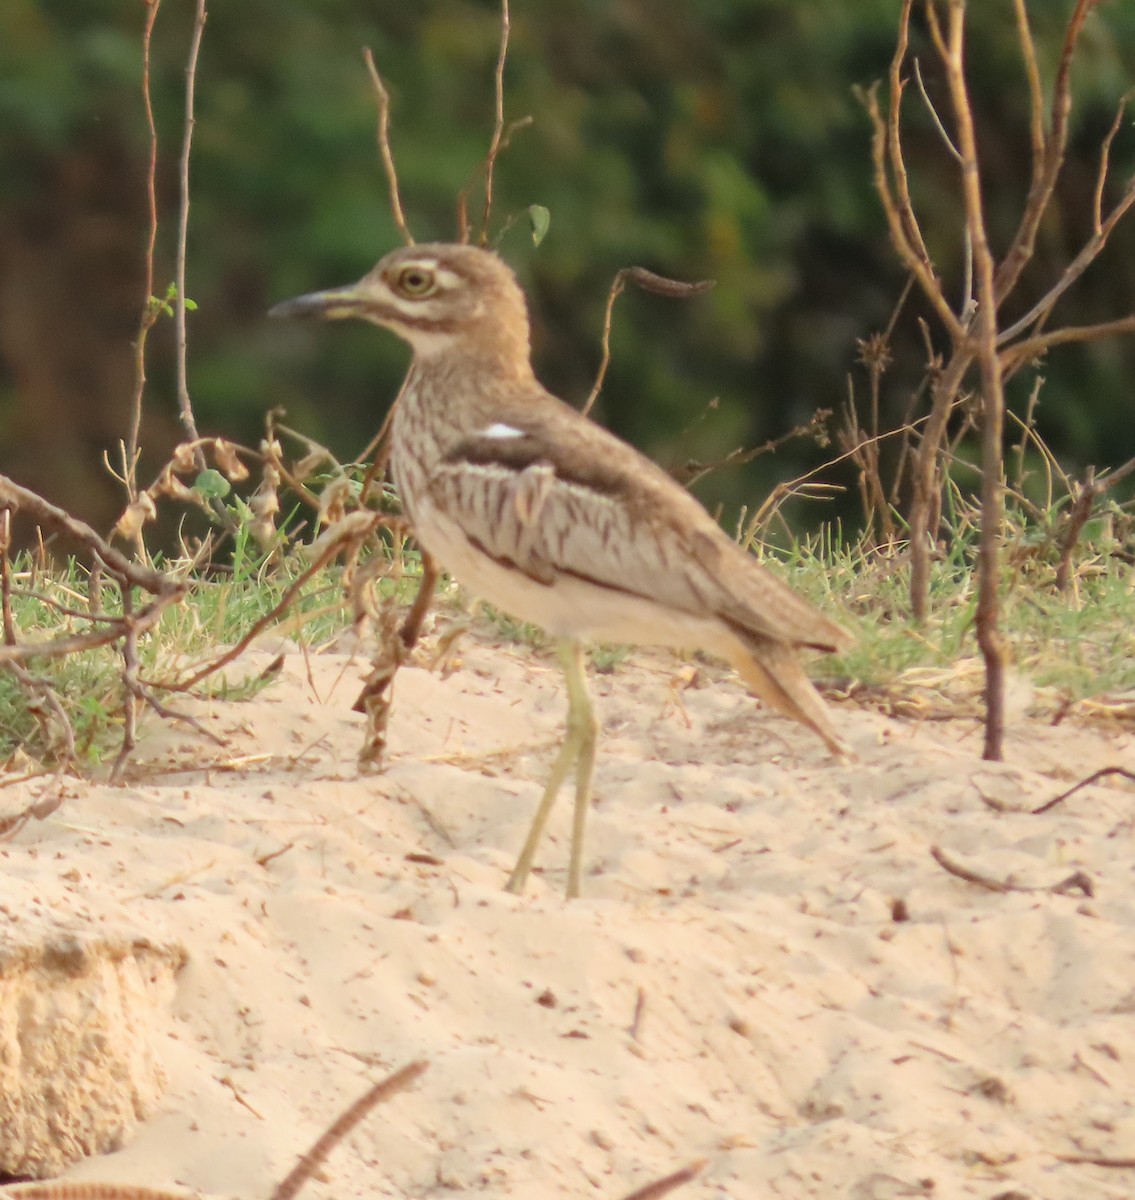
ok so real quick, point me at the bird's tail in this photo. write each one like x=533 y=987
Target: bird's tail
x=774 y=674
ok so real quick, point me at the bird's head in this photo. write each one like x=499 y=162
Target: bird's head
x=438 y=297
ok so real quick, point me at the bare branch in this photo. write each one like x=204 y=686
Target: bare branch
x=992 y=420
x=901 y=222
x=1045 y=175
x=649 y=282
x=496 y=144
x=1105 y=158
x=382 y=99
x=149 y=312
x=1015 y=356
x=1036 y=91
x=184 y=403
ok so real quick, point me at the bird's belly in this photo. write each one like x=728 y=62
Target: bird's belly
x=567 y=607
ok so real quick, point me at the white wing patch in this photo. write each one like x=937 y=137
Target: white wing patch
x=501 y=431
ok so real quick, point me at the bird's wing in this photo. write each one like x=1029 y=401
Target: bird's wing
x=553 y=494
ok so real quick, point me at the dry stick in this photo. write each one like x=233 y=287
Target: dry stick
x=149 y=309
x=498 y=123
x=985 y=347
x=1094 y=777
x=382 y=99
x=183 y=401
x=649 y=282
x=317 y=1155
x=660 y=1187
x=1078 y=881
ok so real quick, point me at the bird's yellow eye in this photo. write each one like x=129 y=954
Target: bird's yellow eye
x=415 y=281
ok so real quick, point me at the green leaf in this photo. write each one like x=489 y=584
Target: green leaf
x=211 y=484
x=539 y=218
x=190 y=305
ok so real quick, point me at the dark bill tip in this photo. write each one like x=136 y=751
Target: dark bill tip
x=318 y=305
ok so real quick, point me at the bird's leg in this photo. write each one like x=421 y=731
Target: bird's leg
x=579 y=745
x=581 y=720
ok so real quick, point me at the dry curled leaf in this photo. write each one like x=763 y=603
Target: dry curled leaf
x=184 y=459
x=138 y=512
x=229 y=461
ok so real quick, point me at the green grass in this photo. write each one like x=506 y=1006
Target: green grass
x=219 y=609
x=1078 y=643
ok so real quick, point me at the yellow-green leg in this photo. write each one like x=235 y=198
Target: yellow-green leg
x=578 y=748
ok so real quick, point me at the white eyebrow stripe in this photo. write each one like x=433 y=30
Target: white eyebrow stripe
x=501 y=430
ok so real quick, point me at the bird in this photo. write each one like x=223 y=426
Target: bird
x=553 y=519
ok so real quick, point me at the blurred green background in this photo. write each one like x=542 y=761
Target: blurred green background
x=718 y=140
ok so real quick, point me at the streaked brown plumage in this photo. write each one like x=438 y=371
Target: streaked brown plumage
x=552 y=518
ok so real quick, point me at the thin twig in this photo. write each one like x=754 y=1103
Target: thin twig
x=382 y=99
x=1094 y=777
x=649 y=282
x=1105 y=161
x=498 y=123
x=934 y=112
x=183 y=400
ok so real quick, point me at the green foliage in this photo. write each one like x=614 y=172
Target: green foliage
x=713 y=140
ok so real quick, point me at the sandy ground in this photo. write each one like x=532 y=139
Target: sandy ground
x=734 y=985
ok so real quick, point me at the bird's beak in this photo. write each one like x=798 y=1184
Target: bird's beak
x=334 y=304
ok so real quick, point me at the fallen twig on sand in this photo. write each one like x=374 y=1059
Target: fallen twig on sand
x=1078 y=881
